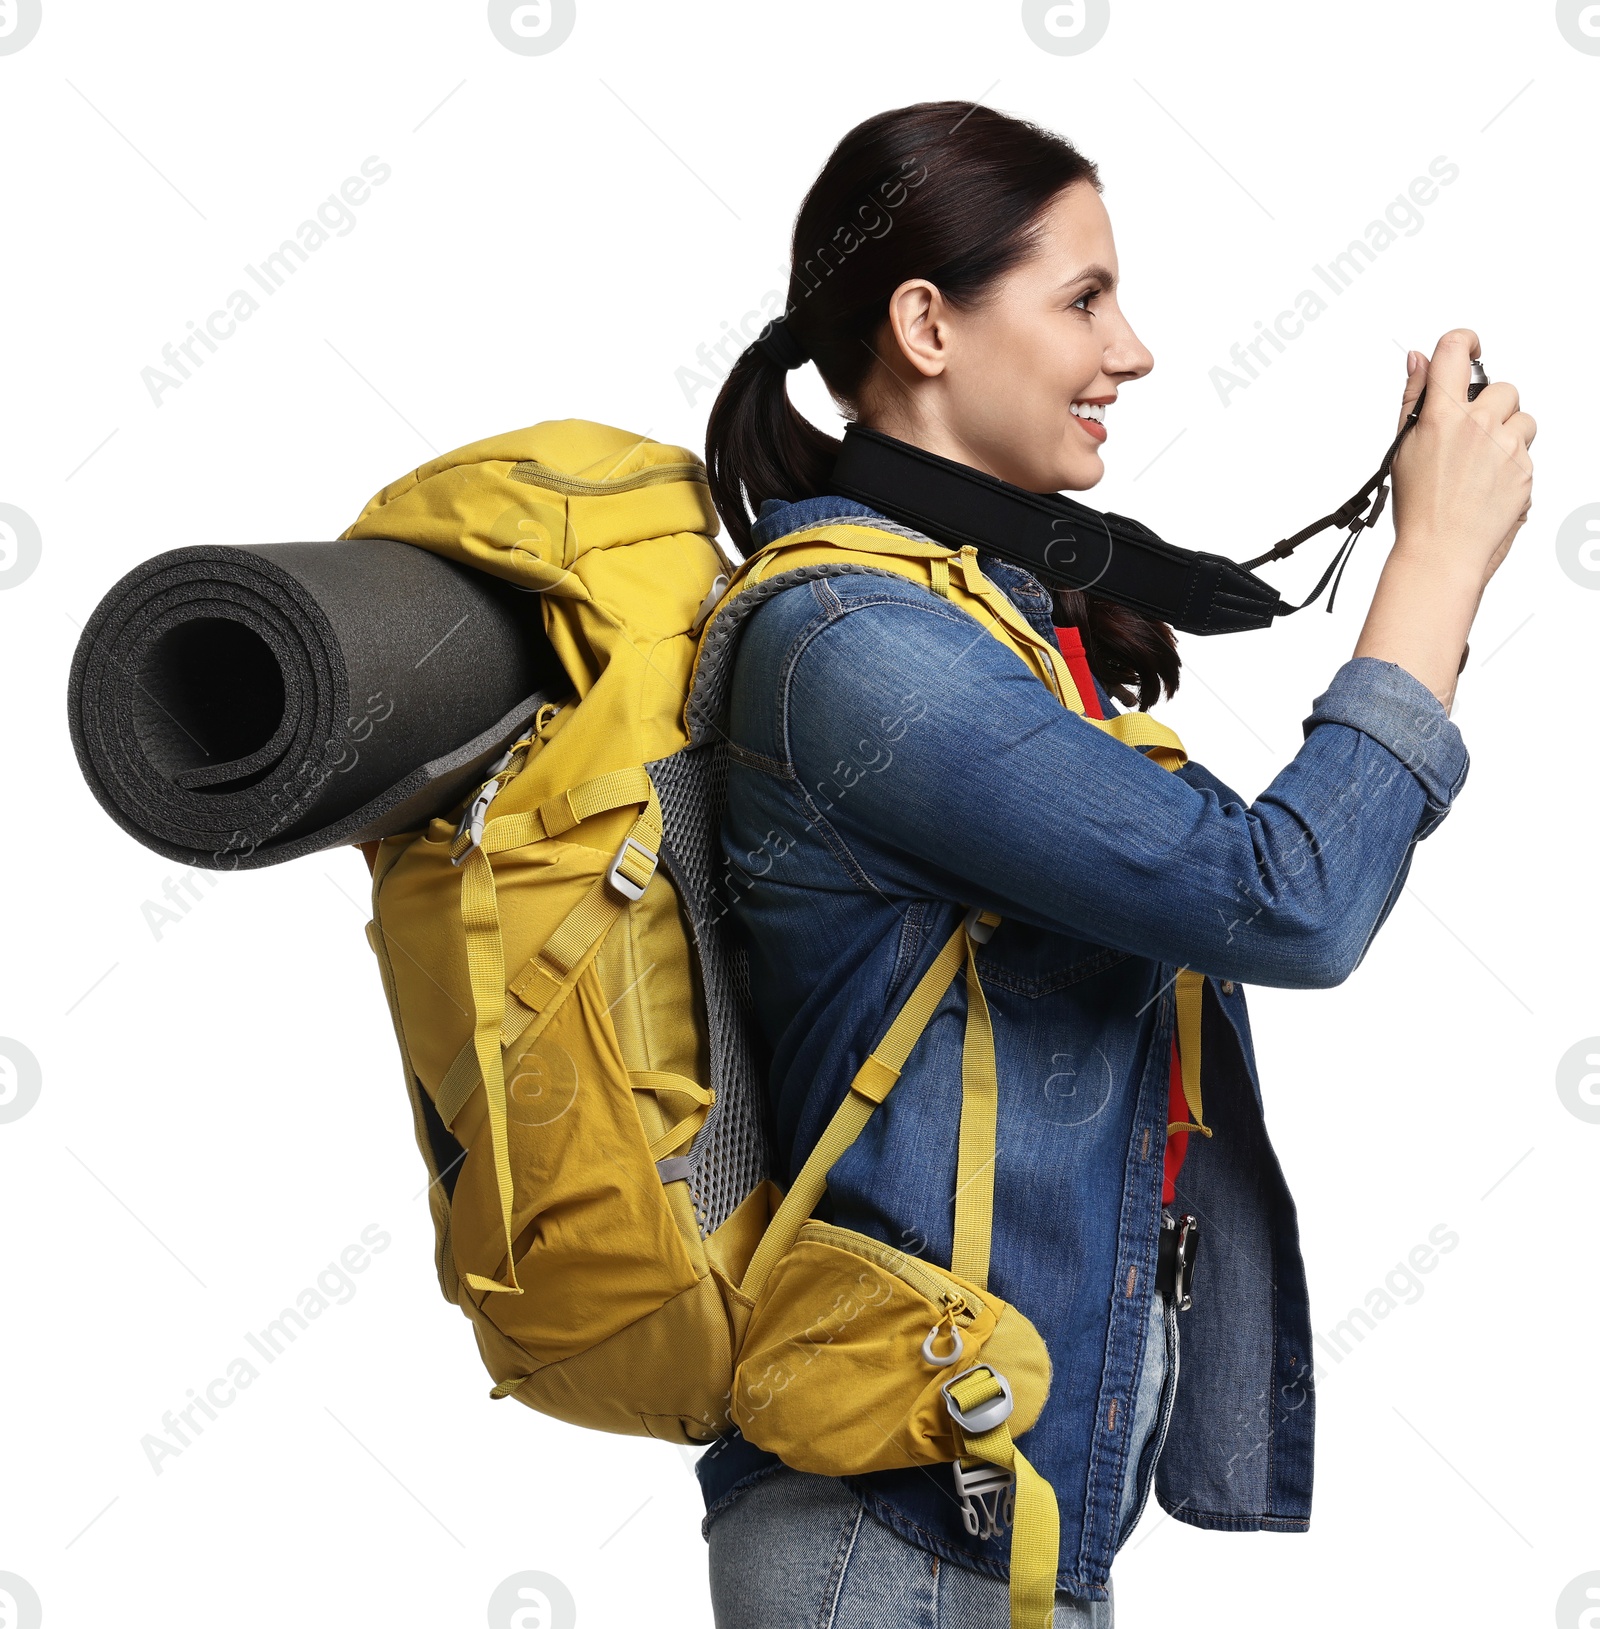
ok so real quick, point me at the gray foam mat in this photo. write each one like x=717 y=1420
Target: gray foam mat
x=235 y=707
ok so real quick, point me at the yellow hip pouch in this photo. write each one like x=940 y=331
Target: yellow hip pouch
x=852 y=1348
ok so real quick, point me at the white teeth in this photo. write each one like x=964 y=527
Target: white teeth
x=1089 y=410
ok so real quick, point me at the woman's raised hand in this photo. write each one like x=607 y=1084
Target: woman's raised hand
x=1463 y=482
x=1463 y=478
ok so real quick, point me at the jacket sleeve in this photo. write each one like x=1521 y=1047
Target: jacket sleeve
x=946 y=758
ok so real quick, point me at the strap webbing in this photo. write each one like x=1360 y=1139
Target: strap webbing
x=486 y=968
x=459 y=1083
x=980 y=1111
x=1003 y=609
x=1036 y=1532
x=1190 y=987
x=1141 y=730
x=544 y=980
x=678 y=1136
x=550 y=975
x=462 y=1077
x=558 y=815
x=664 y=1084
x=873 y=1082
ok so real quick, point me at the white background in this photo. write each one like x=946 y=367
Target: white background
x=222 y=1111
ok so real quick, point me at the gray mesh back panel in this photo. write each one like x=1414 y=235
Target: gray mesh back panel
x=732 y=1152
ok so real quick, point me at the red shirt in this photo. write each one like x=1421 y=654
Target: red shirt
x=1071 y=643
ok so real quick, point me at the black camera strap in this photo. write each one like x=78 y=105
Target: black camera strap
x=1066 y=544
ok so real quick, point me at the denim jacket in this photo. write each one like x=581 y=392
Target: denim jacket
x=892 y=765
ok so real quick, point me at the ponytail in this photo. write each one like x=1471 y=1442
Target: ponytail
x=758 y=447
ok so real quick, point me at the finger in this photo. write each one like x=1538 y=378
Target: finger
x=1500 y=399
x=1451 y=370
x=1525 y=426
x=1416 y=381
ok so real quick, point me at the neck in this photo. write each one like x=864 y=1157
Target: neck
x=925 y=427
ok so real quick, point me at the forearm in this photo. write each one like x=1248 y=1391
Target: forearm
x=1421 y=615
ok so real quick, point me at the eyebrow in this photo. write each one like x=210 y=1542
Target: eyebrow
x=1092 y=274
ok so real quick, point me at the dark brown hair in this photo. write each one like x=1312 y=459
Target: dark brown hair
x=944 y=190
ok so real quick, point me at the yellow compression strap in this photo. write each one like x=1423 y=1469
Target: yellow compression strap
x=551 y=973
x=558 y=815
x=980 y=1110
x=1190 y=987
x=873 y=1082
x=1036 y=1531
x=1005 y=612
x=1141 y=730
x=663 y=1084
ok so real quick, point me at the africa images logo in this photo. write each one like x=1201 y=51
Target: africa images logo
x=19 y=22
x=20 y=546
x=1579 y=22
x=532 y=1600
x=1579 y=1605
x=1578 y=546
x=19 y=1604
x=20 y=1083
x=1578 y=1086
x=1066 y=28
x=532 y=28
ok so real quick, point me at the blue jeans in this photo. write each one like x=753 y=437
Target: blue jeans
x=797 y=1551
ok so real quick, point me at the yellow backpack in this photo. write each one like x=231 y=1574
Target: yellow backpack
x=573 y=1019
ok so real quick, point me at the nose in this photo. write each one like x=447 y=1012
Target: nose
x=1125 y=355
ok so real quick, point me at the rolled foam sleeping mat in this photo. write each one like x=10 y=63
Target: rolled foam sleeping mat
x=234 y=707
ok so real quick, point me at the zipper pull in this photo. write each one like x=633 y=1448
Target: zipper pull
x=953 y=1307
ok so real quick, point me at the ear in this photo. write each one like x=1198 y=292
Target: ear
x=920 y=322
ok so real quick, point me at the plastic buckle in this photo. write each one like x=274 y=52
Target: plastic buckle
x=983 y=1416
x=978 y=931
x=714 y=594
x=623 y=885
x=988 y=1498
x=471 y=822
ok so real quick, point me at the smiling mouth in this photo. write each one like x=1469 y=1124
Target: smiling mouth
x=1091 y=419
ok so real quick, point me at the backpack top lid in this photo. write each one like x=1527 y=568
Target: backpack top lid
x=611 y=530
x=527 y=505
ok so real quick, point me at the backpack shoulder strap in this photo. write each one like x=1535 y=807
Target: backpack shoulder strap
x=952 y=574
x=845 y=548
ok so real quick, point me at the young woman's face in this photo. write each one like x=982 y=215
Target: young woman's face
x=996 y=386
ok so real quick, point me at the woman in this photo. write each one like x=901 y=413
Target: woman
x=893 y=768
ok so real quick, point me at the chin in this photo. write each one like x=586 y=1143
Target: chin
x=1065 y=469
x=1080 y=472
